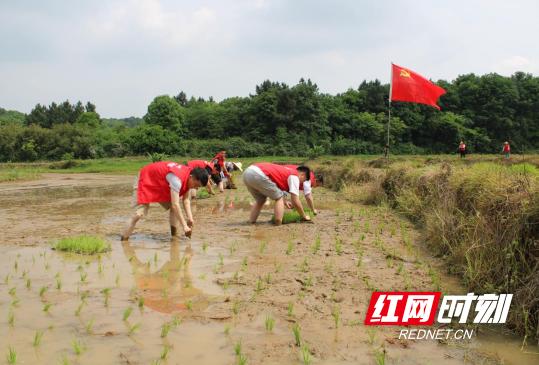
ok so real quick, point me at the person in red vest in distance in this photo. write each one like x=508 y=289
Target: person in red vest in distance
x=165 y=182
x=219 y=164
x=209 y=167
x=268 y=180
x=306 y=187
x=506 y=150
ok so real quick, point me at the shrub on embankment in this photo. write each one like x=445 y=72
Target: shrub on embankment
x=483 y=217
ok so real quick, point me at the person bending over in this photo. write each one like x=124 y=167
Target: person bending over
x=165 y=183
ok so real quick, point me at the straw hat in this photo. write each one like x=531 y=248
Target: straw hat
x=238 y=165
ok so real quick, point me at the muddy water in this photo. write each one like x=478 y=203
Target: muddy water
x=222 y=285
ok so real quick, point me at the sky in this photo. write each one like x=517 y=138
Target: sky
x=121 y=54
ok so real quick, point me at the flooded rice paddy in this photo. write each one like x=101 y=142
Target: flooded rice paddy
x=232 y=293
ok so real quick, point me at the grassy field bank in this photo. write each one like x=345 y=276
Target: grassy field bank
x=480 y=214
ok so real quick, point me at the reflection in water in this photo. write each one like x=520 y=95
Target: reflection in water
x=170 y=288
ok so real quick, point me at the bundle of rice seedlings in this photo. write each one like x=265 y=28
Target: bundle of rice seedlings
x=292 y=216
x=83 y=244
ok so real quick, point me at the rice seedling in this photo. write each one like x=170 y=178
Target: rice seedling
x=84 y=244
x=290 y=309
x=189 y=305
x=297 y=334
x=371 y=334
x=89 y=326
x=221 y=261
x=204 y=246
x=15 y=302
x=127 y=313
x=65 y=360
x=244 y=264
x=269 y=323
x=78 y=347
x=12 y=291
x=338 y=246
x=236 y=307
x=11 y=356
x=16 y=265
x=233 y=248
x=42 y=291
x=47 y=307
x=242 y=359
x=164 y=352
x=38 y=336
x=305 y=355
x=83 y=276
x=79 y=309
x=155 y=258
x=117 y=280
x=226 y=331
x=133 y=328
x=380 y=356
x=435 y=279
x=237 y=348
x=6 y=279
x=165 y=329
x=84 y=295
x=400 y=267
x=316 y=245
x=100 y=268
x=176 y=321
x=262 y=247
x=304 y=267
x=106 y=296
x=259 y=286
x=290 y=247
x=336 y=314
x=11 y=318
x=140 y=302
x=58 y=284
x=164 y=293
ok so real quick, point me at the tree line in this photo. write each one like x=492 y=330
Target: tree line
x=278 y=119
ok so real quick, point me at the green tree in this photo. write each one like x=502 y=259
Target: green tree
x=164 y=111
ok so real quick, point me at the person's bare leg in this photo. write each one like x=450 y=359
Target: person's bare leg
x=278 y=211
x=129 y=229
x=221 y=186
x=255 y=210
x=174 y=224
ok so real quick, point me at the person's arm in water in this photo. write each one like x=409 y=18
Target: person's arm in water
x=187 y=207
x=293 y=184
x=310 y=203
x=296 y=202
x=175 y=206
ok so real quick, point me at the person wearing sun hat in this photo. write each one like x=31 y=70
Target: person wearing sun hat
x=506 y=150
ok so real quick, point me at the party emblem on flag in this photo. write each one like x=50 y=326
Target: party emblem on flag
x=404 y=73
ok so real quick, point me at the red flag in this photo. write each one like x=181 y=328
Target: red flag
x=406 y=85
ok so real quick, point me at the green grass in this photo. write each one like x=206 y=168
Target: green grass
x=18 y=174
x=292 y=216
x=83 y=244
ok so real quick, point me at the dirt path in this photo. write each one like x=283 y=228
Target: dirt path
x=225 y=284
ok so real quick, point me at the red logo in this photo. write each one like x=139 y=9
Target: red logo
x=402 y=308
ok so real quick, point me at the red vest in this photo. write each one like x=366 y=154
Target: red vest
x=313 y=179
x=153 y=186
x=193 y=164
x=279 y=174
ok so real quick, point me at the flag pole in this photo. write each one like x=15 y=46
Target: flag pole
x=389 y=112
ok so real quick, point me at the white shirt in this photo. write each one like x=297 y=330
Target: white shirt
x=174 y=182
x=293 y=182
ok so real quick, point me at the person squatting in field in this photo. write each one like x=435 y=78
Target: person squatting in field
x=219 y=163
x=165 y=182
x=267 y=180
x=307 y=186
x=210 y=168
x=231 y=167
